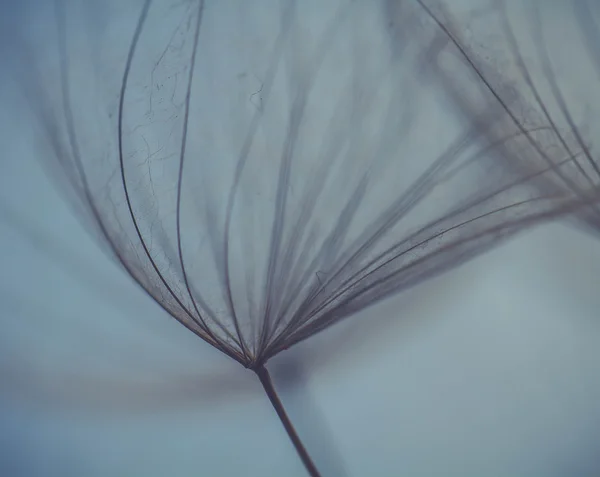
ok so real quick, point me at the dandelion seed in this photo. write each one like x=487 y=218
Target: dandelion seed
x=258 y=227
x=518 y=71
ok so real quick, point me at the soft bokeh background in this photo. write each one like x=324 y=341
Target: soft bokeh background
x=490 y=370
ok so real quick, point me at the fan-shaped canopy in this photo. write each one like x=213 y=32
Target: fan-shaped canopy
x=264 y=170
x=529 y=67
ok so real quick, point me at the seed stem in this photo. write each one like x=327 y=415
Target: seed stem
x=265 y=379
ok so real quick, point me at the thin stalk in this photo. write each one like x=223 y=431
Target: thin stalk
x=265 y=380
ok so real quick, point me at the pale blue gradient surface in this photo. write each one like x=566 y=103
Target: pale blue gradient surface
x=490 y=370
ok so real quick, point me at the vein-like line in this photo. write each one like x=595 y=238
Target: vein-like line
x=132 y=48
x=488 y=86
x=180 y=180
x=512 y=41
x=390 y=217
x=355 y=279
x=65 y=87
x=241 y=163
x=446 y=177
x=296 y=116
x=347 y=283
x=561 y=100
x=508 y=227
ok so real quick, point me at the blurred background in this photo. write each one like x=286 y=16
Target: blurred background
x=492 y=369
